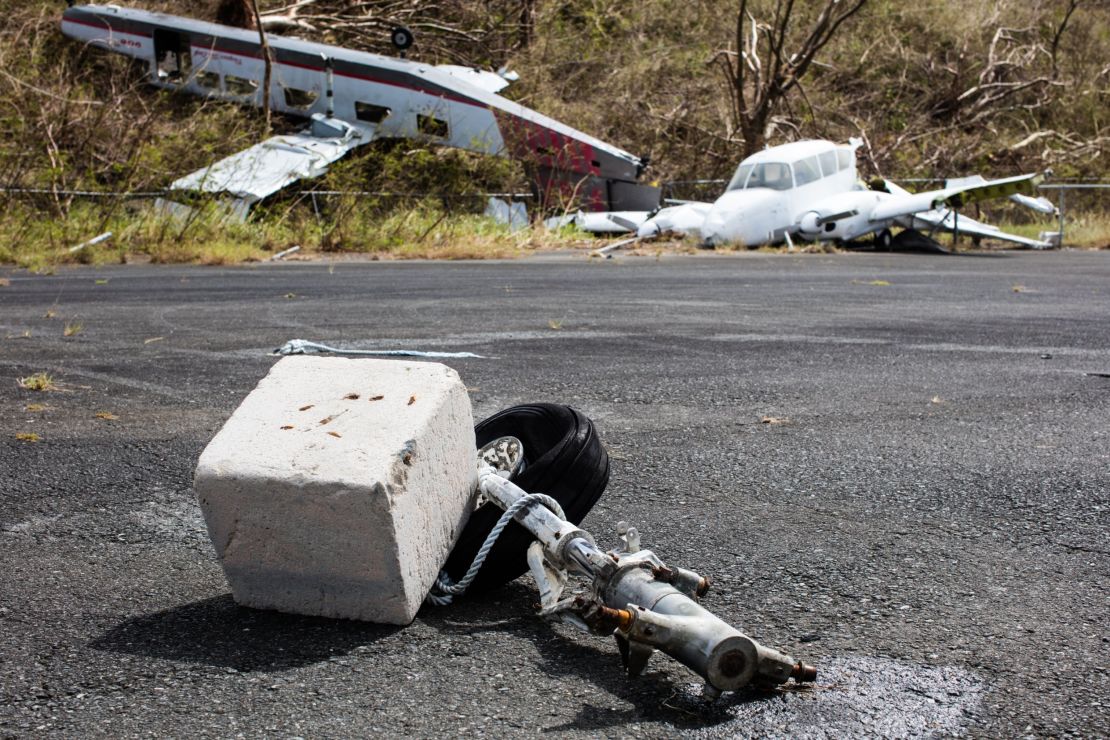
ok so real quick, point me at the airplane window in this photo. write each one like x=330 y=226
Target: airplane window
x=741 y=176
x=370 y=112
x=295 y=98
x=844 y=158
x=806 y=171
x=208 y=80
x=772 y=175
x=432 y=126
x=240 y=85
x=828 y=162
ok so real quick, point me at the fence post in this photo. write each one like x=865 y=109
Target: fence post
x=1061 y=209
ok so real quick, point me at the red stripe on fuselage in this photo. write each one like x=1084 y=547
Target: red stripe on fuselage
x=352 y=75
x=105 y=27
x=581 y=152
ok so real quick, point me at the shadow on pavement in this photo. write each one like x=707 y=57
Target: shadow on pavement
x=662 y=694
x=218 y=632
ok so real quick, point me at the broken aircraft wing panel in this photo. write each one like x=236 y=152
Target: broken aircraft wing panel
x=966 y=226
x=610 y=222
x=271 y=165
x=907 y=204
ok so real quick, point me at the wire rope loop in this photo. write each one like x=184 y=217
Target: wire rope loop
x=444 y=590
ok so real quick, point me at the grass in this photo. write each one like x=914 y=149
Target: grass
x=1085 y=231
x=28 y=437
x=424 y=230
x=72 y=329
x=636 y=74
x=39 y=382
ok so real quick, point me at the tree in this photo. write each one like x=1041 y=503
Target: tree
x=760 y=72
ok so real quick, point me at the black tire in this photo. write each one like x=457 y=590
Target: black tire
x=884 y=241
x=401 y=38
x=563 y=457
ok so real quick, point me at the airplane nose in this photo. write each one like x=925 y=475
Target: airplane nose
x=739 y=216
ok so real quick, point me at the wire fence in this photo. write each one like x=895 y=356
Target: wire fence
x=1072 y=197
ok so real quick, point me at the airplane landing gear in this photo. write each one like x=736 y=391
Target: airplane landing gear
x=883 y=241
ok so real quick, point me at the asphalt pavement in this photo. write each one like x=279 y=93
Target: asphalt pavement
x=895 y=467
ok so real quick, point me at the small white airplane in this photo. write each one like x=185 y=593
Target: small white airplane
x=810 y=190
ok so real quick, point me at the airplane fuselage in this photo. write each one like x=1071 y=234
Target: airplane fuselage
x=787 y=190
x=389 y=96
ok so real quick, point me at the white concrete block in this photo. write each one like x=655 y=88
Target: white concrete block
x=339 y=486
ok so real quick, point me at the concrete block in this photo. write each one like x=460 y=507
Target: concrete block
x=339 y=486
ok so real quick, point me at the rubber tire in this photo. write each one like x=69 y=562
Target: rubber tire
x=401 y=38
x=884 y=241
x=564 y=458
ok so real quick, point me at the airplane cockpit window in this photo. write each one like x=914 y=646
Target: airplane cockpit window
x=844 y=158
x=741 y=176
x=772 y=175
x=828 y=162
x=806 y=171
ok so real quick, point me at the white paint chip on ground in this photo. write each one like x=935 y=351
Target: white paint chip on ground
x=323 y=499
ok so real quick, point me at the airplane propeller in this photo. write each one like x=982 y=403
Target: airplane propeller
x=822 y=220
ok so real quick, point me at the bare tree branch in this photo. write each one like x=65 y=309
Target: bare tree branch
x=759 y=79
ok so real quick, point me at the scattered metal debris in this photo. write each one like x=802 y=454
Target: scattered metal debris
x=285 y=253
x=92 y=242
x=305 y=347
x=514 y=215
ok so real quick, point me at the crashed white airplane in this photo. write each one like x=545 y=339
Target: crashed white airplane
x=809 y=190
x=352 y=98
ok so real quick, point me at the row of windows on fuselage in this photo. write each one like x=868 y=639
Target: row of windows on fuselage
x=174 y=63
x=294 y=98
x=783 y=176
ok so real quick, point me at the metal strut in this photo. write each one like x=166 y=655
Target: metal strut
x=634 y=596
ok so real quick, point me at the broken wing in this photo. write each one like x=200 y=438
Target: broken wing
x=904 y=203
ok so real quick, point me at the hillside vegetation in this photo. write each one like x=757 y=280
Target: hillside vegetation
x=940 y=88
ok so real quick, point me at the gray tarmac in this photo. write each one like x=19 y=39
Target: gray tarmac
x=923 y=515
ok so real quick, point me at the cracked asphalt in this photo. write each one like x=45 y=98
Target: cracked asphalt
x=895 y=467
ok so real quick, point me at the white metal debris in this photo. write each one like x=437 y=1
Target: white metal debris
x=304 y=347
x=91 y=242
x=515 y=215
x=277 y=162
x=285 y=253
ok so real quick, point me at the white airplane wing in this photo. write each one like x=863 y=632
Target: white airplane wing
x=950 y=222
x=277 y=162
x=609 y=222
x=907 y=204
